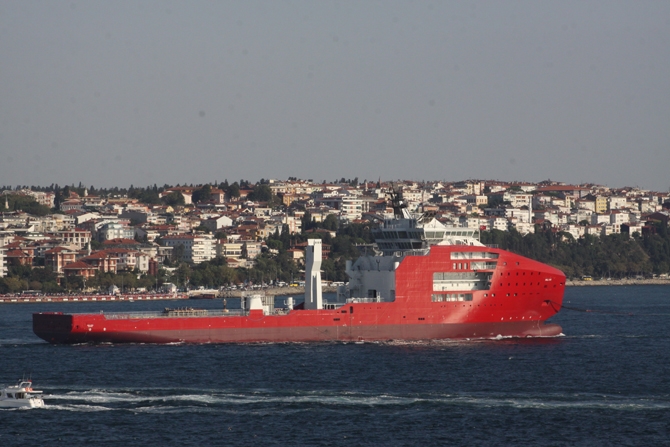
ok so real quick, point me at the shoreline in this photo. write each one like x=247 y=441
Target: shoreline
x=193 y=295
x=618 y=282
x=275 y=291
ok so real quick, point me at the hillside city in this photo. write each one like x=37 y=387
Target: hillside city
x=55 y=239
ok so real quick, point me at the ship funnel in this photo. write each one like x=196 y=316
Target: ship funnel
x=313 y=294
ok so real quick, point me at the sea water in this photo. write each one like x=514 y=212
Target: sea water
x=605 y=382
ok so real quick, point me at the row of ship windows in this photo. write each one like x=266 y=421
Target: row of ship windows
x=455 y=276
x=439 y=297
x=440 y=234
x=522 y=274
x=475 y=265
x=473 y=255
x=401 y=234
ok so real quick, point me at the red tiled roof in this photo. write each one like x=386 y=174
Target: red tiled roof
x=98 y=255
x=117 y=250
x=16 y=253
x=79 y=265
x=56 y=250
x=561 y=188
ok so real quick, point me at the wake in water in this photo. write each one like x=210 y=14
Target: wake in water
x=239 y=401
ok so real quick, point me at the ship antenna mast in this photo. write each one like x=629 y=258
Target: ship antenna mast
x=397 y=202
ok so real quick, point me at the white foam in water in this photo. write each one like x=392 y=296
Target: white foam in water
x=80 y=408
x=18 y=341
x=176 y=400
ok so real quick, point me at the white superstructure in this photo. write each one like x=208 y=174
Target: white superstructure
x=313 y=294
x=20 y=395
x=372 y=276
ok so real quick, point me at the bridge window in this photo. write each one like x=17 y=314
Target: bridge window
x=481 y=265
x=439 y=297
x=473 y=255
x=461 y=281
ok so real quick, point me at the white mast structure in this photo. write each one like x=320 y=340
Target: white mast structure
x=313 y=294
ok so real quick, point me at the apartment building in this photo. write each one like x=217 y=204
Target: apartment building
x=197 y=247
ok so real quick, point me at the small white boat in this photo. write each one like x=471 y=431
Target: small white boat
x=20 y=395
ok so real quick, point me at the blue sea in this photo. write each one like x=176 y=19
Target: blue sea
x=606 y=382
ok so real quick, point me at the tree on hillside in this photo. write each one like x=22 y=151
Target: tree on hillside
x=262 y=193
x=234 y=190
x=202 y=194
x=175 y=198
x=330 y=223
x=306 y=222
x=24 y=203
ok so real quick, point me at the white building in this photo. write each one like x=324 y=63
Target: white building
x=350 y=207
x=584 y=214
x=197 y=248
x=115 y=230
x=80 y=238
x=610 y=229
x=617 y=217
x=3 y=268
x=214 y=224
x=232 y=250
x=576 y=231
x=617 y=203
x=600 y=219
x=498 y=223
x=518 y=200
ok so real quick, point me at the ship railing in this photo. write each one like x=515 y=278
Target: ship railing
x=417 y=252
x=175 y=313
x=172 y=313
x=365 y=300
x=492 y=246
x=332 y=306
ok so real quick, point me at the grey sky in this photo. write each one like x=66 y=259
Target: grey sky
x=142 y=92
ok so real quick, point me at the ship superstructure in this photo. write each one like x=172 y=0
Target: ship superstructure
x=404 y=234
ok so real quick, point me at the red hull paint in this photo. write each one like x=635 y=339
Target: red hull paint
x=522 y=296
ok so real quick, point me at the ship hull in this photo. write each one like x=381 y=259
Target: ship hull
x=307 y=333
x=298 y=326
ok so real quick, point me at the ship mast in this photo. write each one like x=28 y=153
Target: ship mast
x=397 y=202
x=313 y=293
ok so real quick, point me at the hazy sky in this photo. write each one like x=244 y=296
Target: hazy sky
x=143 y=92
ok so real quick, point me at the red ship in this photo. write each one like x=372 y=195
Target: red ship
x=424 y=281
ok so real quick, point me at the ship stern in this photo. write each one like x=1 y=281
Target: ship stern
x=54 y=327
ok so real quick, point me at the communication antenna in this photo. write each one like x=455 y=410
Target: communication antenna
x=397 y=202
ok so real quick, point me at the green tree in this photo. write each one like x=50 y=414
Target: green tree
x=202 y=194
x=175 y=198
x=234 y=190
x=331 y=222
x=24 y=203
x=306 y=222
x=178 y=253
x=262 y=193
